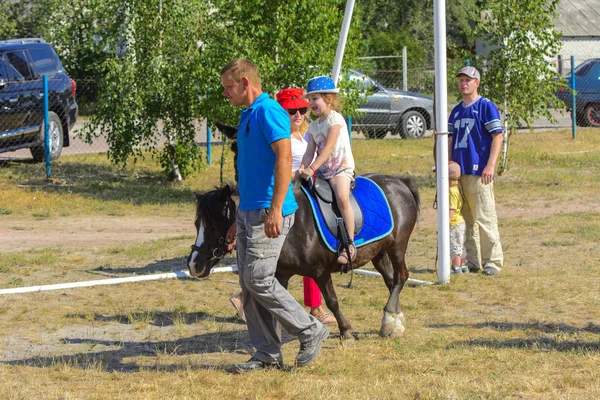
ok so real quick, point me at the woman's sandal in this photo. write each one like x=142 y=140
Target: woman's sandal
x=236 y=300
x=343 y=257
x=326 y=318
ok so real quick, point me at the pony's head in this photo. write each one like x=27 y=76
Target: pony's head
x=215 y=213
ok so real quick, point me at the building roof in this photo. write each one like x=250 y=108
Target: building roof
x=578 y=18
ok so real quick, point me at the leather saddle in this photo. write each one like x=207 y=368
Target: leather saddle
x=323 y=193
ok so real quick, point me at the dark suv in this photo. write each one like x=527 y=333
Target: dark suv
x=23 y=62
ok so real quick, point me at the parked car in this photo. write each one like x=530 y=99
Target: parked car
x=587 y=99
x=405 y=113
x=23 y=62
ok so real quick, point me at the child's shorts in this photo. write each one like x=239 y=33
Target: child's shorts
x=458 y=236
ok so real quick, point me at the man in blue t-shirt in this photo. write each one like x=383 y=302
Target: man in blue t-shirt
x=475 y=140
x=265 y=216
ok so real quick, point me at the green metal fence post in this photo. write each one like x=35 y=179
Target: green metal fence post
x=573 y=99
x=208 y=144
x=46 y=133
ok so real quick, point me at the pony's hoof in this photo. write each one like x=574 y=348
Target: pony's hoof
x=346 y=336
x=401 y=317
x=388 y=324
x=399 y=326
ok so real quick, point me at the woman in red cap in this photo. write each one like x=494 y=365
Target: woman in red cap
x=292 y=101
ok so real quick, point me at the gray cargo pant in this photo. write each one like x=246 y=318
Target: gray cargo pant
x=266 y=303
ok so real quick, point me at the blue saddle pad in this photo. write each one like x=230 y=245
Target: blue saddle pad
x=377 y=215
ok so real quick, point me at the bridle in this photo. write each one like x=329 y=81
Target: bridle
x=219 y=251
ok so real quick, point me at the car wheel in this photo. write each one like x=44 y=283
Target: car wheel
x=56 y=140
x=377 y=133
x=592 y=115
x=412 y=125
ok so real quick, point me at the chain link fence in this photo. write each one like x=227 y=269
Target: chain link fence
x=387 y=111
x=393 y=104
x=582 y=88
x=22 y=139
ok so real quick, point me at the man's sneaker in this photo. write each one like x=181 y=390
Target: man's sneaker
x=465 y=269
x=457 y=270
x=311 y=348
x=473 y=268
x=489 y=270
x=253 y=364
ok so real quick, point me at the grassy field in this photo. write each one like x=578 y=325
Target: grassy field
x=533 y=332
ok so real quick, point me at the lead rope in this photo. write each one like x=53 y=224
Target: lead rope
x=222 y=161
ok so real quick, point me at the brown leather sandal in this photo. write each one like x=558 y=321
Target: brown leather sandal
x=343 y=257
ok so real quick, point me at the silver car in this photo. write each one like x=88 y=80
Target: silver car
x=405 y=113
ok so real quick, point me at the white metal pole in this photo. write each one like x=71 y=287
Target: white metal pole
x=110 y=281
x=142 y=278
x=339 y=53
x=441 y=128
x=404 y=66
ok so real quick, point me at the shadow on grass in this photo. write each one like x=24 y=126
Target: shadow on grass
x=162 y=266
x=231 y=342
x=512 y=326
x=169 y=265
x=160 y=318
x=102 y=182
x=235 y=342
x=538 y=342
x=114 y=360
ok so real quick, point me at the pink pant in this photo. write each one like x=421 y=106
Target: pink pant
x=312 y=294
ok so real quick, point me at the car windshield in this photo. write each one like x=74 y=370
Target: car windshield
x=582 y=69
x=363 y=82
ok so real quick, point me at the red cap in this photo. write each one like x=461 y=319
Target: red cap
x=291 y=98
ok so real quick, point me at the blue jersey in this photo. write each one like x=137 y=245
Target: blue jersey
x=471 y=131
x=263 y=123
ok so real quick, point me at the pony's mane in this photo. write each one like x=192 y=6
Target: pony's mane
x=208 y=210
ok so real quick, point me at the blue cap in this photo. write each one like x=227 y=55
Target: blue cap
x=321 y=84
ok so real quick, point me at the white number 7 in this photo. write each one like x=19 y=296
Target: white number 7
x=466 y=123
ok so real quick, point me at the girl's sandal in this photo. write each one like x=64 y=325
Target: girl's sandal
x=343 y=257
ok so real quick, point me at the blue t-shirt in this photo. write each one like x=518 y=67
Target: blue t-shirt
x=263 y=123
x=471 y=130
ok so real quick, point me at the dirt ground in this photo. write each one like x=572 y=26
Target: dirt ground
x=88 y=232
x=106 y=231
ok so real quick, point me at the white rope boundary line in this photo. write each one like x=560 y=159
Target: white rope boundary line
x=169 y=275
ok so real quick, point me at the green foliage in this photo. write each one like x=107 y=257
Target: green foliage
x=290 y=41
x=149 y=95
x=518 y=68
x=390 y=25
x=26 y=18
x=7 y=24
x=168 y=77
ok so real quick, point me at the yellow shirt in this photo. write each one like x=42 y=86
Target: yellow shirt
x=456 y=203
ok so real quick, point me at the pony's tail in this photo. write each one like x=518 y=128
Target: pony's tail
x=411 y=183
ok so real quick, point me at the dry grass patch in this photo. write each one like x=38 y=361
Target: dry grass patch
x=530 y=333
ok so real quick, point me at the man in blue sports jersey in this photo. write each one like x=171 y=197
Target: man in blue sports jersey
x=265 y=216
x=475 y=140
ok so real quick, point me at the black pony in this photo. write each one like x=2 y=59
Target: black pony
x=305 y=254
